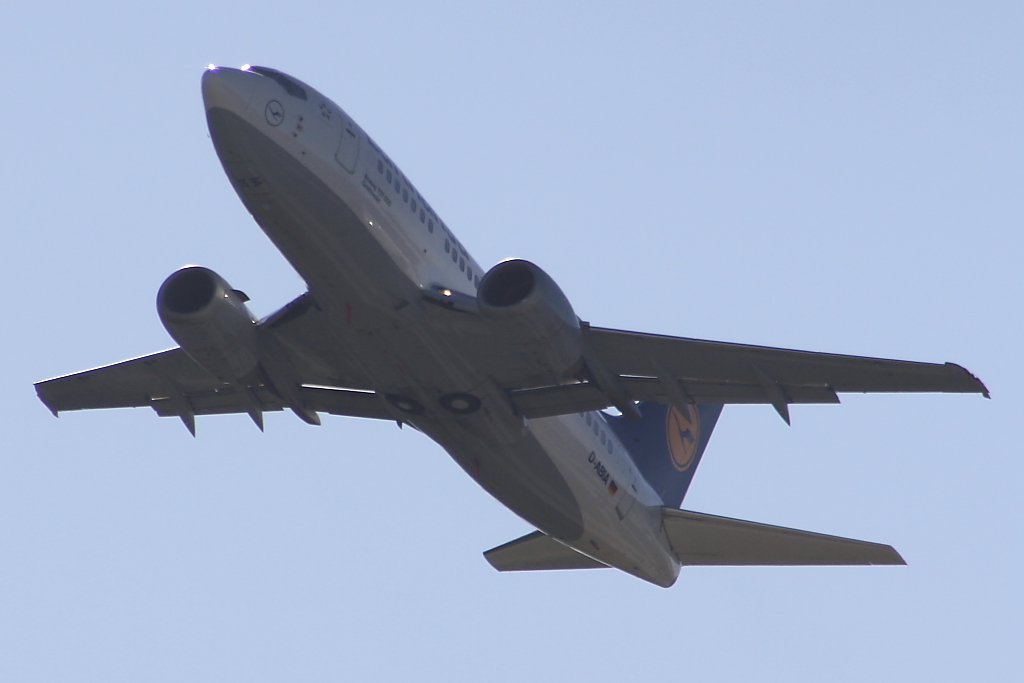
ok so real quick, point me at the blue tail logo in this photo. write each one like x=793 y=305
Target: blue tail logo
x=682 y=433
x=666 y=444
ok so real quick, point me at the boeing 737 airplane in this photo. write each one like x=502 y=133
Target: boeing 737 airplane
x=400 y=323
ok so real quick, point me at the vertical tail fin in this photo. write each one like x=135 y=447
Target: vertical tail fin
x=666 y=444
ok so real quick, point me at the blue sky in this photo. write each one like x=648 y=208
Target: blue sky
x=832 y=177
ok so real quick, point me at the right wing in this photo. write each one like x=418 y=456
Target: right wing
x=172 y=384
x=700 y=539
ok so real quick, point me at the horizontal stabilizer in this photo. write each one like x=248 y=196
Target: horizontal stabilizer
x=700 y=539
x=536 y=551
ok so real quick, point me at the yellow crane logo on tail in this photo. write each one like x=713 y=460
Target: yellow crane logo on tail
x=681 y=432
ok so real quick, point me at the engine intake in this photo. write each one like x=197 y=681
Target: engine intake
x=508 y=283
x=188 y=291
x=210 y=322
x=534 y=318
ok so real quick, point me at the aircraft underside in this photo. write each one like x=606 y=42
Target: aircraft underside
x=400 y=323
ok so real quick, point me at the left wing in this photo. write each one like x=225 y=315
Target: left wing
x=736 y=365
x=650 y=367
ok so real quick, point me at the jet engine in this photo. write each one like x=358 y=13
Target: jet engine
x=533 y=314
x=210 y=322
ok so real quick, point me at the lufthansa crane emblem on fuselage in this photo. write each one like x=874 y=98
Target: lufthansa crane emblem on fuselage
x=274 y=113
x=682 y=432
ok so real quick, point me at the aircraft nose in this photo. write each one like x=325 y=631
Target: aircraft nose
x=227 y=88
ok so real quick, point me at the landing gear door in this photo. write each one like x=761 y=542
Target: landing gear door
x=348 y=146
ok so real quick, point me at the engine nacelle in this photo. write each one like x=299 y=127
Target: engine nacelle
x=210 y=322
x=535 y=316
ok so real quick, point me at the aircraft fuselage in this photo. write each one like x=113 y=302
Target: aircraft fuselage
x=394 y=283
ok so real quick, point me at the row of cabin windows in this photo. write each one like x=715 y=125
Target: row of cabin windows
x=592 y=421
x=468 y=270
x=427 y=218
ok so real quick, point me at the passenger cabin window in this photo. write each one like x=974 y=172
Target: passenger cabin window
x=388 y=175
x=380 y=166
x=430 y=226
x=447 y=247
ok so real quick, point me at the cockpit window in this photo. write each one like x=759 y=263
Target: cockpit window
x=290 y=86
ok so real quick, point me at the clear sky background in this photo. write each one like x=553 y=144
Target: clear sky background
x=843 y=177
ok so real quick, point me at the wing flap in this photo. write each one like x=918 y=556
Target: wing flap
x=332 y=401
x=564 y=399
x=700 y=539
x=535 y=552
x=335 y=401
x=561 y=399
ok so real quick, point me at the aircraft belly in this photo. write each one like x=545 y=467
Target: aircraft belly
x=316 y=231
x=517 y=471
x=602 y=482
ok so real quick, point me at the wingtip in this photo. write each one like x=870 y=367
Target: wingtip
x=895 y=559
x=42 y=397
x=979 y=386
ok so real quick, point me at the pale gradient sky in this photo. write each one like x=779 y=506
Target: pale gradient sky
x=835 y=177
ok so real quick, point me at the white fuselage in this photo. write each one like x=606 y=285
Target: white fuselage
x=373 y=253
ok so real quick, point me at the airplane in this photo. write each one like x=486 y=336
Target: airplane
x=591 y=435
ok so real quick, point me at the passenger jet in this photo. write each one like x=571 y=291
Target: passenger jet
x=400 y=323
